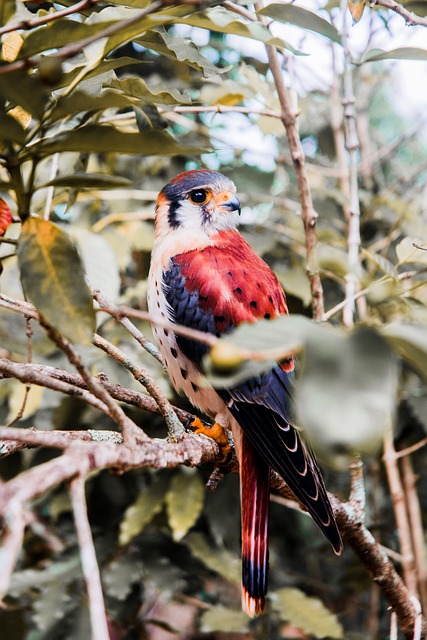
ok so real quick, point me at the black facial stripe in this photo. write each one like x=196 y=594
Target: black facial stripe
x=173 y=214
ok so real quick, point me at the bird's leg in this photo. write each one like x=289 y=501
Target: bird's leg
x=216 y=432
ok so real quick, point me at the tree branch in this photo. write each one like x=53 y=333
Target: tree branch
x=410 y=17
x=309 y=215
x=27 y=25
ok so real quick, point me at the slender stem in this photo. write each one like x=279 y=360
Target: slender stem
x=416 y=524
x=92 y=576
x=308 y=213
x=352 y=146
x=400 y=512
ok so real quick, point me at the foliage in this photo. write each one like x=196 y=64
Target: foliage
x=100 y=105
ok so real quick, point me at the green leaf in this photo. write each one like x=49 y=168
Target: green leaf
x=88 y=181
x=80 y=101
x=52 y=600
x=105 y=138
x=221 y=619
x=7 y=11
x=272 y=339
x=137 y=88
x=220 y=561
x=400 y=53
x=382 y=263
x=184 y=501
x=103 y=68
x=308 y=614
x=419 y=7
x=52 y=277
x=148 y=504
x=57 y=34
x=410 y=343
x=221 y=20
x=121 y=574
x=181 y=50
x=300 y=17
x=11 y=130
x=24 y=90
x=346 y=397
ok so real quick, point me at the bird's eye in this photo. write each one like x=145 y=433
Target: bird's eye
x=198 y=196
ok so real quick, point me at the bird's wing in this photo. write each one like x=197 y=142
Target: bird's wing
x=262 y=407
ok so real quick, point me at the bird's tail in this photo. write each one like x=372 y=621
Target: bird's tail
x=254 y=497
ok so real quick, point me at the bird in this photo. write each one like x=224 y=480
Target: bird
x=204 y=275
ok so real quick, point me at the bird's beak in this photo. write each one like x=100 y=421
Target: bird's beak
x=232 y=204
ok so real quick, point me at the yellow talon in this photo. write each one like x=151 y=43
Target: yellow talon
x=215 y=431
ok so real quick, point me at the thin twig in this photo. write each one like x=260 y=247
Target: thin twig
x=129 y=428
x=175 y=428
x=92 y=576
x=415 y=520
x=107 y=306
x=410 y=17
x=26 y=25
x=11 y=543
x=352 y=146
x=308 y=213
x=400 y=513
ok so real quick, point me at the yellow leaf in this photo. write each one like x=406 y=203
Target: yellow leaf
x=357 y=8
x=53 y=278
x=308 y=614
x=218 y=560
x=184 y=501
x=11 y=46
x=142 y=511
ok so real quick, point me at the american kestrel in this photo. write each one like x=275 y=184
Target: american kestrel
x=204 y=275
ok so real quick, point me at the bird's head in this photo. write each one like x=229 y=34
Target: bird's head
x=200 y=200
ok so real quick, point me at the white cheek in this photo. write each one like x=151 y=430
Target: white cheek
x=192 y=218
x=189 y=216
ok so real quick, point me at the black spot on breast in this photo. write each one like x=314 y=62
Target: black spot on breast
x=194 y=387
x=166 y=363
x=184 y=373
x=270 y=299
x=219 y=318
x=253 y=304
x=166 y=332
x=174 y=352
x=230 y=273
x=258 y=285
x=203 y=298
x=238 y=290
x=267 y=316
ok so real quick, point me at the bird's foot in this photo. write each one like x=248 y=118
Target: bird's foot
x=216 y=432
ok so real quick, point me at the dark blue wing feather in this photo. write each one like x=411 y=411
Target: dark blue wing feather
x=187 y=311
x=262 y=407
